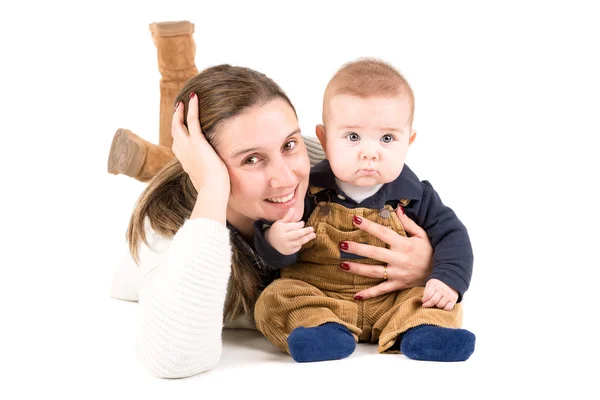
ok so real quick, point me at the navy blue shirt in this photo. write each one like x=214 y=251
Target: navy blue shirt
x=452 y=251
x=265 y=272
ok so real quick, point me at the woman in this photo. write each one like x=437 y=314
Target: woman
x=238 y=151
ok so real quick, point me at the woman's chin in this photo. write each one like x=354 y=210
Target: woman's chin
x=277 y=211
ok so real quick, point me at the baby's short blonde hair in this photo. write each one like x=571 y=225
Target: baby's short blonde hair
x=368 y=77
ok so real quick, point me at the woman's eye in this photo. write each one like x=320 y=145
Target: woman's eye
x=387 y=138
x=251 y=160
x=353 y=137
x=289 y=145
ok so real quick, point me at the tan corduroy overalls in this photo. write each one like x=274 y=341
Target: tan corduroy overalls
x=317 y=290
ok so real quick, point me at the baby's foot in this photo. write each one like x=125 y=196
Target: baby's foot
x=433 y=343
x=330 y=341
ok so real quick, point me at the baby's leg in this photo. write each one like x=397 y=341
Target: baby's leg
x=420 y=333
x=301 y=320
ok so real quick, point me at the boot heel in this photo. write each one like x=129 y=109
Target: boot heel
x=127 y=153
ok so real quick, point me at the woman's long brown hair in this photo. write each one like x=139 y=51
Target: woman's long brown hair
x=224 y=91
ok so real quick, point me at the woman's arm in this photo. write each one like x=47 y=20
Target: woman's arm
x=182 y=295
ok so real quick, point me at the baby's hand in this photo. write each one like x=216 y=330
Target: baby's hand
x=438 y=294
x=287 y=236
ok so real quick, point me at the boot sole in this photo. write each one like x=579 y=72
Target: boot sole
x=126 y=154
x=172 y=28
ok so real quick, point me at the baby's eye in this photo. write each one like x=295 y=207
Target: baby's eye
x=353 y=137
x=251 y=160
x=289 y=145
x=387 y=138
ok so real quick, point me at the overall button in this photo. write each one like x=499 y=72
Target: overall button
x=384 y=213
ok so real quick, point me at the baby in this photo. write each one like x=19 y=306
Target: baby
x=310 y=311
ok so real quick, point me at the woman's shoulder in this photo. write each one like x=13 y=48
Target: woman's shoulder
x=129 y=272
x=314 y=150
x=189 y=232
x=155 y=241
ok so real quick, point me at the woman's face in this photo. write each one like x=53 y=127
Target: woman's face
x=267 y=163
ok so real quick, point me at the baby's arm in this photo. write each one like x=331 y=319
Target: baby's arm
x=452 y=251
x=438 y=294
x=278 y=245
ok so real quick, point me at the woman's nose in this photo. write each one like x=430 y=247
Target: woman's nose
x=282 y=175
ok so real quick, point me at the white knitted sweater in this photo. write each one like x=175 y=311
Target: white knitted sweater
x=181 y=284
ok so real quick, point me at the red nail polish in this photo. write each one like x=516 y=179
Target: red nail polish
x=357 y=220
x=345 y=266
x=402 y=209
x=357 y=297
x=344 y=245
x=192 y=95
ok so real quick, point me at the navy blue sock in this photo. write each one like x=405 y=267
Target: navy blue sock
x=330 y=341
x=433 y=343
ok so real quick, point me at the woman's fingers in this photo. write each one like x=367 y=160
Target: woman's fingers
x=382 y=288
x=370 y=271
x=400 y=243
x=368 y=251
x=193 y=117
x=178 y=130
x=384 y=233
x=411 y=228
x=175 y=149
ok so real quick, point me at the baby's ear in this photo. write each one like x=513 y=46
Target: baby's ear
x=320 y=130
x=412 y=137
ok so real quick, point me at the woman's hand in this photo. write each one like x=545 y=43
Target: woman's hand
x=409 y=259
x=196 y=155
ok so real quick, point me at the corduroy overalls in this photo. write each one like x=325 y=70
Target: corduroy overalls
x=317 y=290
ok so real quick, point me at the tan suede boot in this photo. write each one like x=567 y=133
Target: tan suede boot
x=133 y=156
x=176 y=51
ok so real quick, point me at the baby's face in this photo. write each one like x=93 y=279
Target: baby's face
x=366 y=139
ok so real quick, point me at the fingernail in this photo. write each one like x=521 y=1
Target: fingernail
x=357 y=297
x=344 y=245
x=402 y=209
x=192 y=95
x=357 y=220
x=345 y=266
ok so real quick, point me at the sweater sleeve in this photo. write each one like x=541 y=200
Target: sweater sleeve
x=183 y=285
x=314 y=150
x=452 y=251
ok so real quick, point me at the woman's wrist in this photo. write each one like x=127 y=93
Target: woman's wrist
x=211 y=204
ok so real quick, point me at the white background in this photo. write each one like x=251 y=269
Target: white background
x=507 y=106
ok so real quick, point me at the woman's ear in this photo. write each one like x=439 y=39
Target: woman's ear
x=413 y=136
x=320 y=130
